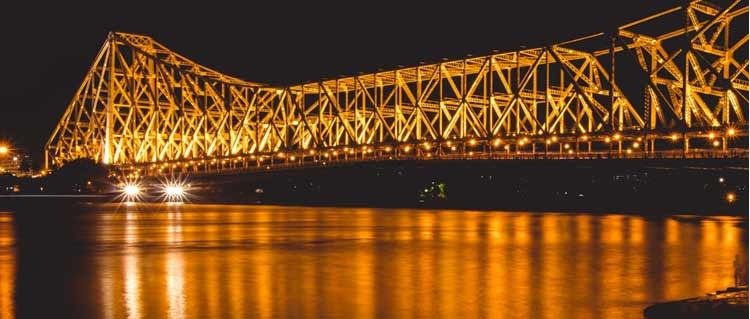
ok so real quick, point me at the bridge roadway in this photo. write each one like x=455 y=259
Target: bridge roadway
x=711 y=146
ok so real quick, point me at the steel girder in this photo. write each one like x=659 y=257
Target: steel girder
x=143 y=103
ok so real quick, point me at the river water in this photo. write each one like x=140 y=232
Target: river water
x=221 y=261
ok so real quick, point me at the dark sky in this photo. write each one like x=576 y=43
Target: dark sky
x=47 y=49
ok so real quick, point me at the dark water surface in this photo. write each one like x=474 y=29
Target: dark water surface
x=203 y=261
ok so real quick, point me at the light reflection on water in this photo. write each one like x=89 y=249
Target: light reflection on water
x=7 y=265
x=199 y=261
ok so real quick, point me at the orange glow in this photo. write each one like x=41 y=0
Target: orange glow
x=731 y=197
x=731 y=132
x=451 y=263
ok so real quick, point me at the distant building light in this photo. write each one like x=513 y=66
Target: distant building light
x=731 y=197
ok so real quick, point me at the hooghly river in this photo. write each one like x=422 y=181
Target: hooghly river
x=221 y=261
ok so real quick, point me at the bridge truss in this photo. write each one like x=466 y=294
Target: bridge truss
x=144 y=106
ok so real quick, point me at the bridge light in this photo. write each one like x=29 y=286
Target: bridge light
x=711 y=135
x=731 y=197
x=496 y=142
x=472 y=142
x=617 y=136
x=674 y=136
x=407 y=148
x=3 y=150
x=567 y=146
x=585 y=137
x=607 y=139
x=131 y=190
x=570 y=151
x=507 y=147
x=387 y=148
x=640 y=139
x=731 y=132
x=325 y=155
x=554 y=139
x=721 y=179
x=312 y=152
x=716 y=143
x=629 y=151
x=292 y=157
x=548 y=142
x=427 y=146
x=174 y=190
x=280 y=154
x=448 y=143
x=335 y=153
x=453 y=148
x=636 y=144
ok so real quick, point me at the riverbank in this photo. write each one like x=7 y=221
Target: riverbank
x=728 y=304
x=650 y=187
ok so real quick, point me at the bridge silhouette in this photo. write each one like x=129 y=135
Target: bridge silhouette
x=148 y=110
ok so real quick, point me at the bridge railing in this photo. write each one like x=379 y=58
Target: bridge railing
x=287 y=163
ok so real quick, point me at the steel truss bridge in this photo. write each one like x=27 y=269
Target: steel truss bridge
x=145 y=108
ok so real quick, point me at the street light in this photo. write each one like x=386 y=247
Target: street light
x=731 y=197
x=3 y=150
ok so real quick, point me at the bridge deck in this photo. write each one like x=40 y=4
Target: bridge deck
x=253 y=164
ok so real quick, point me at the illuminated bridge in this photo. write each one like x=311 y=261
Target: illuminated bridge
x=149 y=110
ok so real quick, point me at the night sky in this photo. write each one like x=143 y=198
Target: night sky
x=47 y=49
